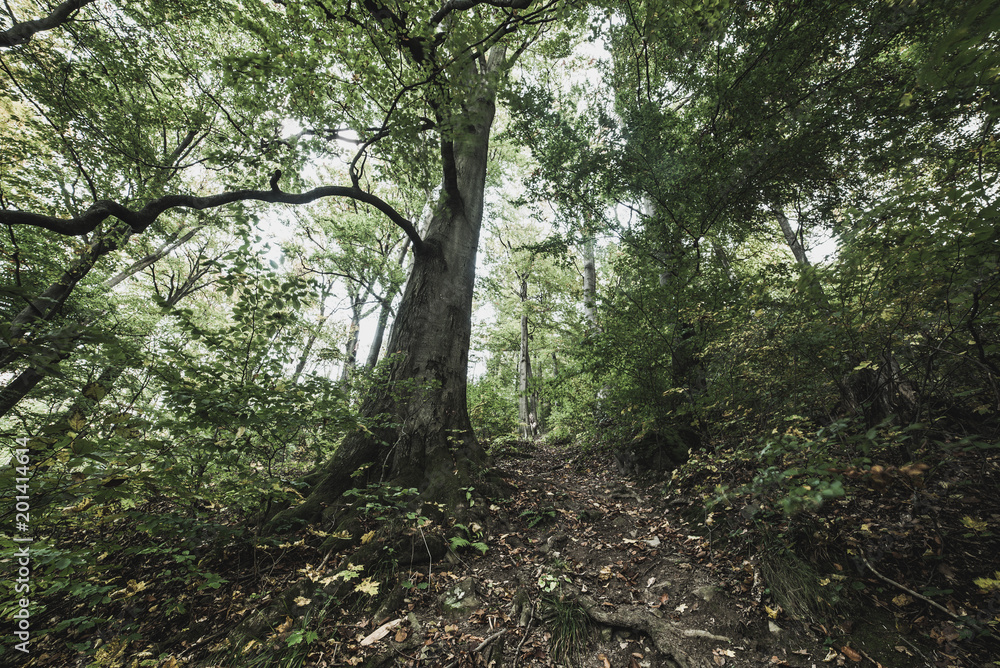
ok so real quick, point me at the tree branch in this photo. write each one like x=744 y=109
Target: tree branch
x=460 y=5
x=21 y=33
x=140 y=220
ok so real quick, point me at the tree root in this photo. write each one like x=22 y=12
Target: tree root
x=664 y=634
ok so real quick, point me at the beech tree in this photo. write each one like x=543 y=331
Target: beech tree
x=412 y=87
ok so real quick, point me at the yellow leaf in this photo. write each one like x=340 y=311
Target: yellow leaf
x=367 y=586
x=367 y=538
x=988 y=584
x=771 y=612
x=975 y=525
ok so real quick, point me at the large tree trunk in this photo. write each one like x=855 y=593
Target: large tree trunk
x=428 y=442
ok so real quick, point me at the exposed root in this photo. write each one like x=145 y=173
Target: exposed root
x=664 y=634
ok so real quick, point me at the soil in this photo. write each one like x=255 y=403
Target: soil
x=581 y=532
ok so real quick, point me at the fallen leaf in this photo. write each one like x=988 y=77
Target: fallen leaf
x=903 y=600
x=681 y=608
x=851 y=653
x=607 y=664
x=401 y=635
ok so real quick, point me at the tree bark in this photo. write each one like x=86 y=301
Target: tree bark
x=590 y=281
x=351 y=347
x=791 y=238
x=384 y=313
x=427 y=441
x=527 y=401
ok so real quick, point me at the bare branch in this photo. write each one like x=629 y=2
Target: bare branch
x=21 y=33
x=139 y=220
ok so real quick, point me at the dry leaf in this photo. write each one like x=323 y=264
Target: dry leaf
x=401 y=635
x=850 y=653
x=607 y=664
x=286 y=626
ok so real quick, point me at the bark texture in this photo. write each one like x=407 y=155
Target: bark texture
x=421 y=435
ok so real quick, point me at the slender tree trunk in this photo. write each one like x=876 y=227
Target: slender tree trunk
x=310 y=342
x=383 y=315
x=430 y=444
x=590 y=281
x=351 y=347
x=527 y=401
x=791 y=238
x=38 y=370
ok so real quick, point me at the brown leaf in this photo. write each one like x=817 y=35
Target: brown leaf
x=401 y=635
x=285 y=626
x=850 y=653
x=607 y=664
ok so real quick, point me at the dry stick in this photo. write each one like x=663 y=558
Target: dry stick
x=480 y=647
x=527 y=631
x=923 y=598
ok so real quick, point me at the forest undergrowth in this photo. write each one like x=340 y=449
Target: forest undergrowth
x=582 y=566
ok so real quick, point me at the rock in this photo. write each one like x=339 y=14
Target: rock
x=773 y=628
x=707 y=593
x=460 y=600
x=656 y=451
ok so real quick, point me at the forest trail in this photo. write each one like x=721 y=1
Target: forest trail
x=581 y=532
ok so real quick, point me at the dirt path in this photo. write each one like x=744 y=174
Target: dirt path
x=585 y=543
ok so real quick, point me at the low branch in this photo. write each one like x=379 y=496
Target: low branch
x=21 y=33
x=140 y=220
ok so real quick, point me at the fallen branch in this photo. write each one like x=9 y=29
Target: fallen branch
x=481 y=646
x=957 y=618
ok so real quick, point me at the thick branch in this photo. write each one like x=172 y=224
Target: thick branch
x=460 y=5
x=21 y=33
x=143 y=218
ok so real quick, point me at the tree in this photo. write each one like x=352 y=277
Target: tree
x=415 y=84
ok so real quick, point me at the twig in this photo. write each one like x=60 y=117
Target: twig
x=527 y=631
x=923 y=598
x=480 y=647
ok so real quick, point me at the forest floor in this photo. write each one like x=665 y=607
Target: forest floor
x=584 y=566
